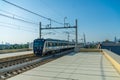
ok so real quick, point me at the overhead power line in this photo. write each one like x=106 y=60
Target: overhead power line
x=20 y=17
x=16 y=15
x=18 y=28
x=16 y=18
x=15 y=25
x=33 y=12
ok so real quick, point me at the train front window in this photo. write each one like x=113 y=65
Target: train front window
x=38 y=44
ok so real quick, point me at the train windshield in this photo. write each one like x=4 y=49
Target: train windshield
x=38 y=43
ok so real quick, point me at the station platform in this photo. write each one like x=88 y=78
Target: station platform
x=7 y=55
x=74 y=66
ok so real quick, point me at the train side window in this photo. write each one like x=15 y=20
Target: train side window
x=63 y=44
x=54 y=44
x=51 y=44
x=48 y=44
x=57 y=44
x=60 y=44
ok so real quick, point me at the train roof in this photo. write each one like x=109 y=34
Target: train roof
x=51 y=40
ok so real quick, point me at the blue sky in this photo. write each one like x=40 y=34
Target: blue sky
x=98 y=19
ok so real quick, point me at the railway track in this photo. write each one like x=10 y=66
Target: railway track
x=13 y=61
x=14 y=67
x=6 y=64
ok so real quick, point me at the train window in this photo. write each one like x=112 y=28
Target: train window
x=46 y=44
x=63 y=44
x=60 y=44
x=49 y=44
x=57 y=44
x=54 y=44
x=38 y=43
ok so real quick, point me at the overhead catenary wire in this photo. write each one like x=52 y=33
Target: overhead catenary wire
x=12 y=17
x=18 y=16
x=15 y=25
x=18 y=28
x=32 y=12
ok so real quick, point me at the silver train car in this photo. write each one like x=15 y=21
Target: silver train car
x=43 y=47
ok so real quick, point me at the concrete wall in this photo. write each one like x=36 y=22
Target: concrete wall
x=90 y=50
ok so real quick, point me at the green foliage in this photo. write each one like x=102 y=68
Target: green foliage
x=14 y=46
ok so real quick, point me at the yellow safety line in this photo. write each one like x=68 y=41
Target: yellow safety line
x=115 y=64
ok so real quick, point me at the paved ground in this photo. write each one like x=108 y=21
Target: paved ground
x=15 y=54
x=79 y=66
x=113 y=55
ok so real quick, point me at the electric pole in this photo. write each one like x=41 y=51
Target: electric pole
x=76 y=36
x=84 y=37
x=68 y=36
x=40 y=30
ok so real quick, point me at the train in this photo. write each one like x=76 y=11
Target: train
x=43 y=47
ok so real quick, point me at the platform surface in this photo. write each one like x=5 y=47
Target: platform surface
x=74 y=66
x=15 y=54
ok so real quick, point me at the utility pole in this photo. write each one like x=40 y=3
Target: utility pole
x=68 y=36
x=84 y=37
x=76 y=36
x=76 y=24
x=40 y=30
